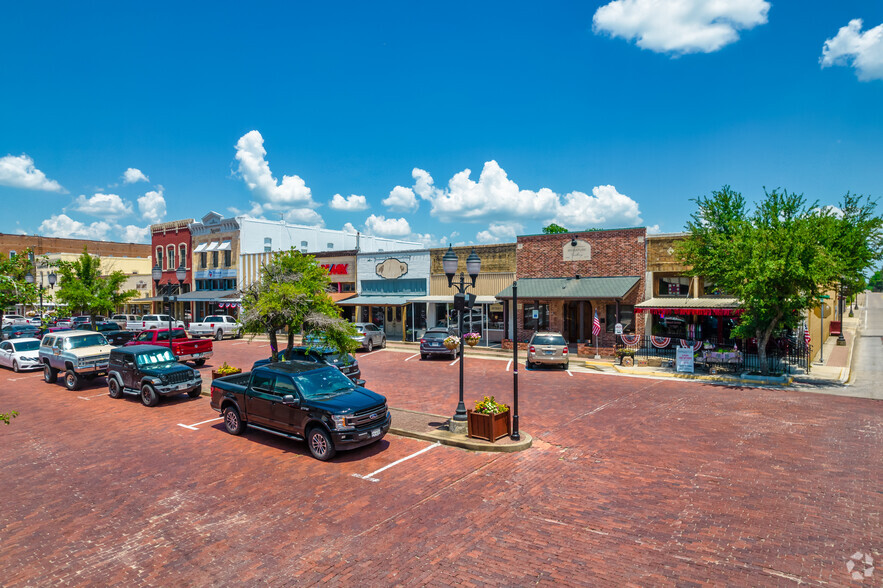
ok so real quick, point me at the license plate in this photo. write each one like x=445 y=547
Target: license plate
x=549 y=351
x=182 y=386
x=197 y=355
x=375 y=432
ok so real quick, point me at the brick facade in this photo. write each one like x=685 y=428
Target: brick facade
x=44 y=245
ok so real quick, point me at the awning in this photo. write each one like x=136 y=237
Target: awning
x=210 y=296
x=376 y=301
x=200 y=247
x=572 y=288
x=338 y=296
x=691 y=306
x=450 y=299
x=225 y=246
x=212 y=246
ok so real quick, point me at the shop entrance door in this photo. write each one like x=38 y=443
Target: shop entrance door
x=572 y=320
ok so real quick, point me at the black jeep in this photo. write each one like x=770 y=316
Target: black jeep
x=150 y=371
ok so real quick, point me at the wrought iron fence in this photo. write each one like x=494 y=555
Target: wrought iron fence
x=783 y=354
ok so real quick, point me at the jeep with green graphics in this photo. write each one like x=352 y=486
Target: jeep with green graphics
x=79 y=355
x=151 y=372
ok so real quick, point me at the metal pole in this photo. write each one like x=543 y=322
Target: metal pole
x=822 y=335
x=515 y=434
x=460 y=415
x=840 y=339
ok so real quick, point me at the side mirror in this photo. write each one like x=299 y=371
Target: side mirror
x=290 y=399
x=359 y=383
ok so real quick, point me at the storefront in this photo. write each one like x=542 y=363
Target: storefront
x=691 y=318
x=386 y=282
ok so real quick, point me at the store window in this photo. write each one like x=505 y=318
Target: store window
x=709 y=288
x=535 y=317
x=203 y=259
x=182 y=248
x=674 y=286
x=171 y=260
x=159 y=257
x=626 y=317
x=228 y=256
x=214 y=259
x=268 y=244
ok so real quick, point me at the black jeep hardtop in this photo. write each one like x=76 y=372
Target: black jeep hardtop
x=150 y=371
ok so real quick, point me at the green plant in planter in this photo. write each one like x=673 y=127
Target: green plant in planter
x=625 y=352
x=489 y=405
x=227 y=370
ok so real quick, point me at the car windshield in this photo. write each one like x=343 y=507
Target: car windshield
x=434 y=335
x=84 y=341
x=323 y=383
x=549 y=340
x=155 y=358
x=26 y=346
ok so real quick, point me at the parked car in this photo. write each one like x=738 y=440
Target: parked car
x=111 y=330
x=346 y=363
x=19 y=331
x=432 y=343
x=130 y=322
x=303 y=401
x=81 y=355
x=157 y=321
x=20 y=354
x=17 y=319
x=546 y=348
x=184 y=348
x=46 y=330
x=369 y=336
x=79 y=321
x=64 y=321
x=151 y=372
x=217 y=326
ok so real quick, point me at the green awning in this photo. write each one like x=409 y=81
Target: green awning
x=572 y=288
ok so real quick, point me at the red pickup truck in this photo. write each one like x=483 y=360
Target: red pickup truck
x=184 y=348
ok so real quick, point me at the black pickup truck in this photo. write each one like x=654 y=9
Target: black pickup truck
x=304 y=401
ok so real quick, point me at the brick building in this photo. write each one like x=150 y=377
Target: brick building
x=13 y=244
x=171 y=246
x=564 y=279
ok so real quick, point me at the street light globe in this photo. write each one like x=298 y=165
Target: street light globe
x=29 y=278
x=53 y=278
x=157 y=273
x=473 y=265
x=181 y=273
x=449 y=262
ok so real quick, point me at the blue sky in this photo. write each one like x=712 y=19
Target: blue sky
x=593 y=114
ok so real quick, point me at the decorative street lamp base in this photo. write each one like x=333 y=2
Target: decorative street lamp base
x=458 y=427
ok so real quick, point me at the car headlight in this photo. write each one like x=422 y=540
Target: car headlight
x=340 y=422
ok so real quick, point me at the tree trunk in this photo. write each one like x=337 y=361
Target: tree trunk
x=763 y=336
x=274 y=346
x=290 y=341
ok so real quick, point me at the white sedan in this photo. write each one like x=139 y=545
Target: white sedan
x=20 y=354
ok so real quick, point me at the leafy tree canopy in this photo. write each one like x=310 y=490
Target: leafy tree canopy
x=85 y=290
x=876 y=281
x=554 y=229
x=852 y=234
x=14 y=289
x=292 y=294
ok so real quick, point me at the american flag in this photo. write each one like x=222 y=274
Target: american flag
x=806 y=333
x=596 y=325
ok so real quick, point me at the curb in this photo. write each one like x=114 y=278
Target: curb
x=446 y=438
x=758 y=380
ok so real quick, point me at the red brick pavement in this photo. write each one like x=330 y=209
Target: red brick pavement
x=630 y=481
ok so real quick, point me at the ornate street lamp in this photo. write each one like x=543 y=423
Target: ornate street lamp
x=473 y=267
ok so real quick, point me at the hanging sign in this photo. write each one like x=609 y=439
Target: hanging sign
x=684 y=359
x=617 y=329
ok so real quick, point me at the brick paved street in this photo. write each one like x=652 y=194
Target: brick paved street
x=630 y=481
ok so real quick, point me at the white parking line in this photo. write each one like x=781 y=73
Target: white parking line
x=373 y=352
x=454 y=362
x=91 y=397
x=242 y=343
x=370 y=477
x=568 y=373
x=412 y=357
x=193 y=426
x=508 y=365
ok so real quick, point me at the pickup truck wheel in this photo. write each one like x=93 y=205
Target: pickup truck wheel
x=195 y=393
x=114 y=390
x=219 y=335
x=149 y=397
x=232 y=422
x=370 y=346
x=320 y=444
x=71 y=380
x=199 y=362
x=50 y=374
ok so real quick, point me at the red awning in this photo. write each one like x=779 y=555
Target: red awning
x=693 y=311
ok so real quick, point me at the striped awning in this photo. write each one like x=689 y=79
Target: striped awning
x=691 y=306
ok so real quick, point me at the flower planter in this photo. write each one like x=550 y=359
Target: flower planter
x=488 y=426
x=216 y=375
x=472 y=342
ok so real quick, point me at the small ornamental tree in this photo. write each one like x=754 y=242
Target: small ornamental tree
x=82 y=287
x=773 y=260
x=553 y=229
x=14 y=289
x=292 y=293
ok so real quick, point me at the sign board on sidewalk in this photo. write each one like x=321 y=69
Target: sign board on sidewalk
x=617 y=329
x=684 y=359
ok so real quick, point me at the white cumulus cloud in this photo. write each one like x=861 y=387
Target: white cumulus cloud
x=349 y=228
x=132 y=175
x=497 y=199
x=19 y=172
x=134 y=234
x=103 y=205
x=500 y=232
x=352 y=203
x=272 y=196
x=863 y=49
x=680 y=26
x=61 y=225
x=393 y=227
x=152 y=206
x=401 y=199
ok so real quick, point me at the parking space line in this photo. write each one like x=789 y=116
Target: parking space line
x=370 y=477
x=373 y=352
x=194 y=425
x=241 y=343
x=91 y=397
x=412 y=357
x=508 y=365
x=454 y=362
x=568 y=373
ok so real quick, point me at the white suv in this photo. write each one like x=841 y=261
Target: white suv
x=158 y=321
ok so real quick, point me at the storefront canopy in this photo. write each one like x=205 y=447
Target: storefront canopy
x=572 y=288
x=375 y=301
x=450 y=299
x=691 y=306
x=210 y=296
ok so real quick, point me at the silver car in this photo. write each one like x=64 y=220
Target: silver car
x=369 y=336
x=547 y=349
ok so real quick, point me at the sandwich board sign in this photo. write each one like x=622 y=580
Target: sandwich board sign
x=684 y=359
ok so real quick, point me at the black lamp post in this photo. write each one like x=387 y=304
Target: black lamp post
x=30 y=279
x=473 y=266
x=840 y=339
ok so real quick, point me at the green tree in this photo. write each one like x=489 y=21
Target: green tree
x=554 y=229
x=82 y=287
x=14 y=289
x=773 y=260
x=852 y=234
x=292 y=294
x=876 y=281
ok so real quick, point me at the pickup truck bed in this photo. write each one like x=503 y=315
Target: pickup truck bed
x=195 y=350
